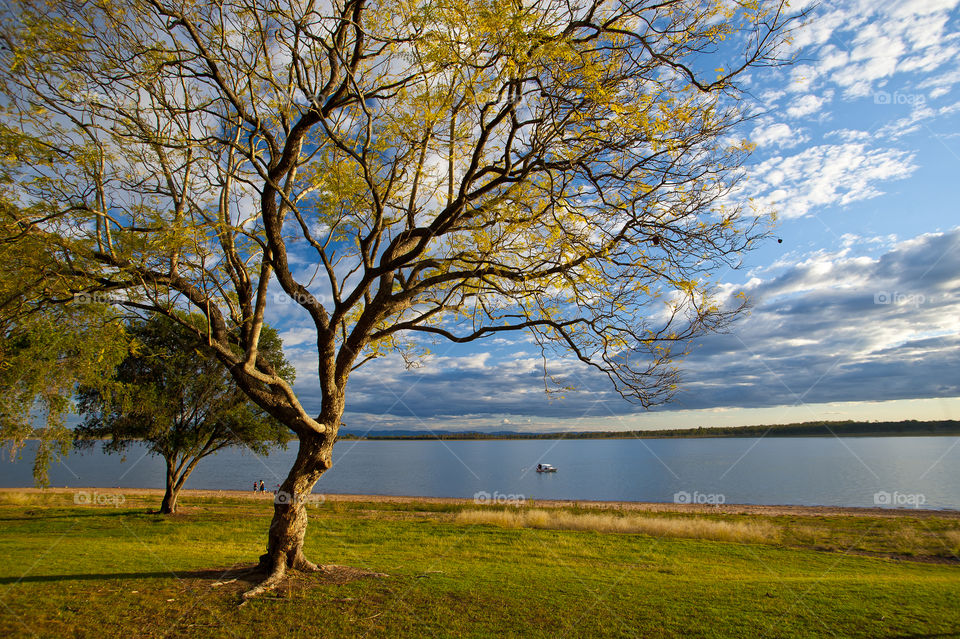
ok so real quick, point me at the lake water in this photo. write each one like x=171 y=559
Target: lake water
x=857 y=471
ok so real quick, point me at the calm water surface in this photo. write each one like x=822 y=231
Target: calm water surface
x=802 y=471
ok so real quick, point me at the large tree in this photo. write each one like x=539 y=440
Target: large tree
x=177 y=400
x=449 y=169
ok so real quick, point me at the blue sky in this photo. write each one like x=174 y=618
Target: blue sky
x=856 y=314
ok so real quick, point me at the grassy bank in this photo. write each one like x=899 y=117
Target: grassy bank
x=103 y=570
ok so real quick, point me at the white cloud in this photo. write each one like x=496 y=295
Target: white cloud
x=473 y=362
x=916 y=119
x=776 y=134
x=886 y=39
x=878 y=319
x=908 y=8
x=839 y=326
x=807 y=104
x=770 y=96
x=941 y=84
x=802 y=78
x=297 y=336
x=850 y=135
x=827 y=175
x=874 y=56
x=832 y=58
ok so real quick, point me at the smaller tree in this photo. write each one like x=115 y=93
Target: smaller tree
x=171 y=394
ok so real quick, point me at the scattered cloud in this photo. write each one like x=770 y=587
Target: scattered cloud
x=776 y=134
x=859 y=45
x=294 y=337
x=807 y=104
x=826 y=175
x=832 y=327
x=841 y=327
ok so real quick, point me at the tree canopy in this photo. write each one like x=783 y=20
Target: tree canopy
x=396 y=169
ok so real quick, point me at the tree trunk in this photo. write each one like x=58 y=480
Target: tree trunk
x=289 y=525
x=169 y=504
x=174 y=483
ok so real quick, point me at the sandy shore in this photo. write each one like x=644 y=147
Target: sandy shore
x=739 y=509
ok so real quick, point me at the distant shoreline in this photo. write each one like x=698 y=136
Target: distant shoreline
x=641 y=506
x=555 y=436
x=907 y=428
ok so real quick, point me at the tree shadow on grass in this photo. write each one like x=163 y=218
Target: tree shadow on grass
x=249 y=571
x=120 y=512
x=238 y=574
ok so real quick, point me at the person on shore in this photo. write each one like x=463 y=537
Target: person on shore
x=255 y=486
x=262 y=490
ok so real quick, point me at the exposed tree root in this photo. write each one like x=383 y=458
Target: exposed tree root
x=279 y=572
x=273 y=580
x=303 y=564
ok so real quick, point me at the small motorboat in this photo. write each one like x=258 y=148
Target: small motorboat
x=545 y=468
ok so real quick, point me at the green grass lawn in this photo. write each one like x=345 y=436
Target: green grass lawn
x=71 y=570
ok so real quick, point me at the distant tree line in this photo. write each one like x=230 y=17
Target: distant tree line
x=804 y=429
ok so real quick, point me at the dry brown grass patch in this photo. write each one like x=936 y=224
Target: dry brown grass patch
x=19 y=499
x=953 y=541
x=689 y=527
